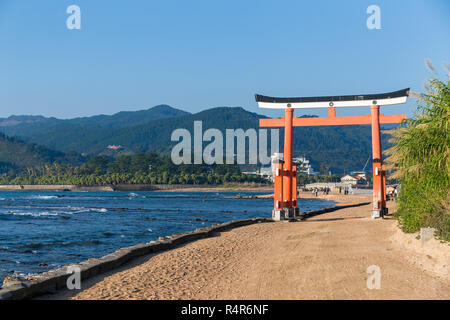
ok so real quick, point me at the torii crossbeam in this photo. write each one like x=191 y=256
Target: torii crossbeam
x=285 y=176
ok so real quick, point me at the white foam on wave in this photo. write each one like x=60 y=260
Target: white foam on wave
x=44 y=197
x=34 y=214
x=54 y=211
x=70 y=209
x=75 y=208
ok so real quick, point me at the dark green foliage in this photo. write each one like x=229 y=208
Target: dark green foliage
x=421 y=161
x=130 y=118
x=82 y=135
x=16 y=155
x=138 y=169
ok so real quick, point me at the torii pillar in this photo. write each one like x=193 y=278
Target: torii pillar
x=285 y=175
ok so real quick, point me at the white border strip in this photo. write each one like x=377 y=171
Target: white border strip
x=327 y=104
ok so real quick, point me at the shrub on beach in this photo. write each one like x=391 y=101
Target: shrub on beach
x=420 y=160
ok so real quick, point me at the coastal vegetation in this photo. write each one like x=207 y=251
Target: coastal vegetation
x=16 y=155
x=420 y=160
x=149 y=168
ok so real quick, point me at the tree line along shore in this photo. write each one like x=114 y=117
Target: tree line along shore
x=136 y=187
x=142 y=169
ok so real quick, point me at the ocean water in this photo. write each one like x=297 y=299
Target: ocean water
x=45 y=230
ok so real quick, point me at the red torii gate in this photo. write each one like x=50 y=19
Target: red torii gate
x=285 y=175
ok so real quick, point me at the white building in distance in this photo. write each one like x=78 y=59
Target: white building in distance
x=353 y=179
x=303 y=166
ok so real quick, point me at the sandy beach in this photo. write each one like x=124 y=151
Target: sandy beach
x=323 y=257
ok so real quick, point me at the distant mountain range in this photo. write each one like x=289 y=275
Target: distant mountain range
x=117 y=120
x=340 y=148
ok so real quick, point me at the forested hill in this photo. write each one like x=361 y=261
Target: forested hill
x=130 y=118
x=16 y=155
x=26 y=125
x=340 y=148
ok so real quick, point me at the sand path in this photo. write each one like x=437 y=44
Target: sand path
x=324 y=257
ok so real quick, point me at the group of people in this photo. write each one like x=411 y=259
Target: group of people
x=325 y=190
x=346 y=190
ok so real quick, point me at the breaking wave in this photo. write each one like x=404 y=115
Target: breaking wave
x=44 y=197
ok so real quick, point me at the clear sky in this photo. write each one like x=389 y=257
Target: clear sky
x=198 y=54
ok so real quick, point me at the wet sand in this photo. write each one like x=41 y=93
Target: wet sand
x=324 y=257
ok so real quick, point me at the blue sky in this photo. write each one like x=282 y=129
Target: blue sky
x=194 y=55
